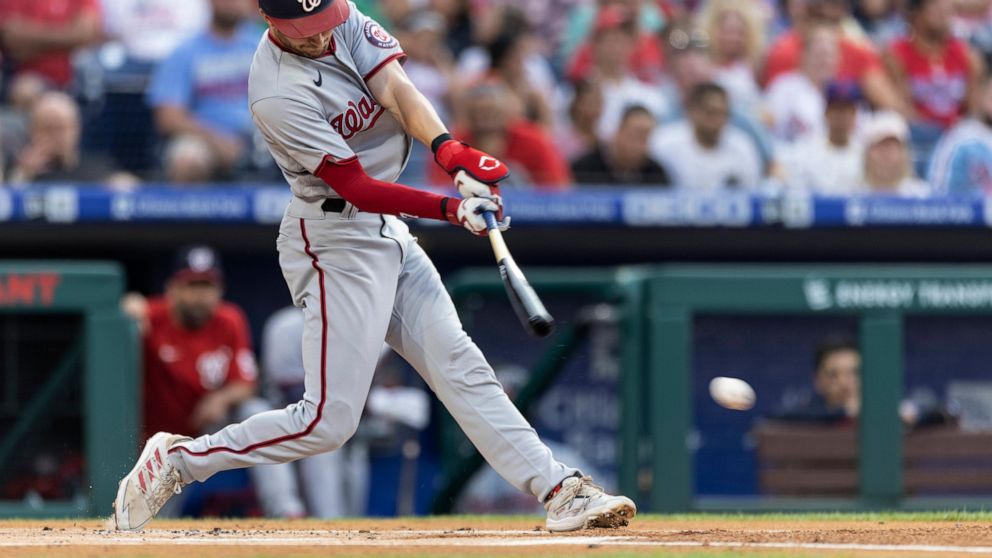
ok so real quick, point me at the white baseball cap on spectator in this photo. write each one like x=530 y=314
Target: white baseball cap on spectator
x=889 y=166
x=885 y=125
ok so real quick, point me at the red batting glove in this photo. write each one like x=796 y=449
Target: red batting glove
x=454 y=156
x=484 y=170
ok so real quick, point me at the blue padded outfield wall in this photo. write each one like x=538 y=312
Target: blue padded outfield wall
x=586 y=207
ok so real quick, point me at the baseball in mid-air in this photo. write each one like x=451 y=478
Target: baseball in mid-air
x=732 y=393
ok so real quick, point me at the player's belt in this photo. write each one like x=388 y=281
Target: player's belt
x=333 y=205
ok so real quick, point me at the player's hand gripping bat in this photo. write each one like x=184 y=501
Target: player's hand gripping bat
x=529 y=308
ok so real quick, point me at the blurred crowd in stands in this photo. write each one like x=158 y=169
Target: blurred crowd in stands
x=832 y=97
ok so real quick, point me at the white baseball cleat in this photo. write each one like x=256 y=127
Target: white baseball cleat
x=580 y=504
x=143 y=492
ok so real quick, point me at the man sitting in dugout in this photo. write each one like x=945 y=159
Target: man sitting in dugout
x=835 y=396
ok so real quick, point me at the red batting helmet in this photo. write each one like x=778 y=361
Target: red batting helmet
x=298 y=19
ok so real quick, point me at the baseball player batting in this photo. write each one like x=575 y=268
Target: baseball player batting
x=329 y=95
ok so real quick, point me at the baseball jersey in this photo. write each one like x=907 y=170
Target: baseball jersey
x=857 y=60
x=308 y=109
x=182 y=366
x=938 y=85
x=796 y=107
x=962 y=161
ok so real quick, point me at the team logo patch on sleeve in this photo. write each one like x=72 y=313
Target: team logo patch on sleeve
x=378 y=36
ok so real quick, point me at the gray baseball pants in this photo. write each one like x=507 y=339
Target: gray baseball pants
x=362 y=278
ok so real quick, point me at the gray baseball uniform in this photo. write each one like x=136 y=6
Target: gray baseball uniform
x=360 y=278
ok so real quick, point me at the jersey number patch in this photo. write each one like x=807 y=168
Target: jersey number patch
x=375 y=34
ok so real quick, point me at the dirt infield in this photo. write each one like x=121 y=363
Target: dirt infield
x=698 y=536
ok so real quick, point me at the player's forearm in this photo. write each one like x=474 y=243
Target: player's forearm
x=394 y=91
x=419 y=118
x=351 y=182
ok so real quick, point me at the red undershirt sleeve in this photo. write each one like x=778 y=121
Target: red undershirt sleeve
x=349 y=179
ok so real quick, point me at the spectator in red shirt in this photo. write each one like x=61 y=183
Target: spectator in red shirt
x=200 y=372
x=525 y=147
x=647 y=59
x=858 y=61
x=936 y=73
x=38 y=36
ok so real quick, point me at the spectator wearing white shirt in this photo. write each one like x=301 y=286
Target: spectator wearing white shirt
x=146 y=31
x=689 y=64
x=737 y=33
x=614 y=38
x=830 y=163
x=794 y=103
x=140 y=34
x=888 y=162
x=704 y=153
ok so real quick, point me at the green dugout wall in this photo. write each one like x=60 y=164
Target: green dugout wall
x=108 y=354
x=658 y=306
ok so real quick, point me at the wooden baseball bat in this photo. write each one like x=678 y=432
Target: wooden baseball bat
x=528 y=307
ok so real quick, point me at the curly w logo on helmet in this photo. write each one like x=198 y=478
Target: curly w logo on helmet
x=309 y=5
